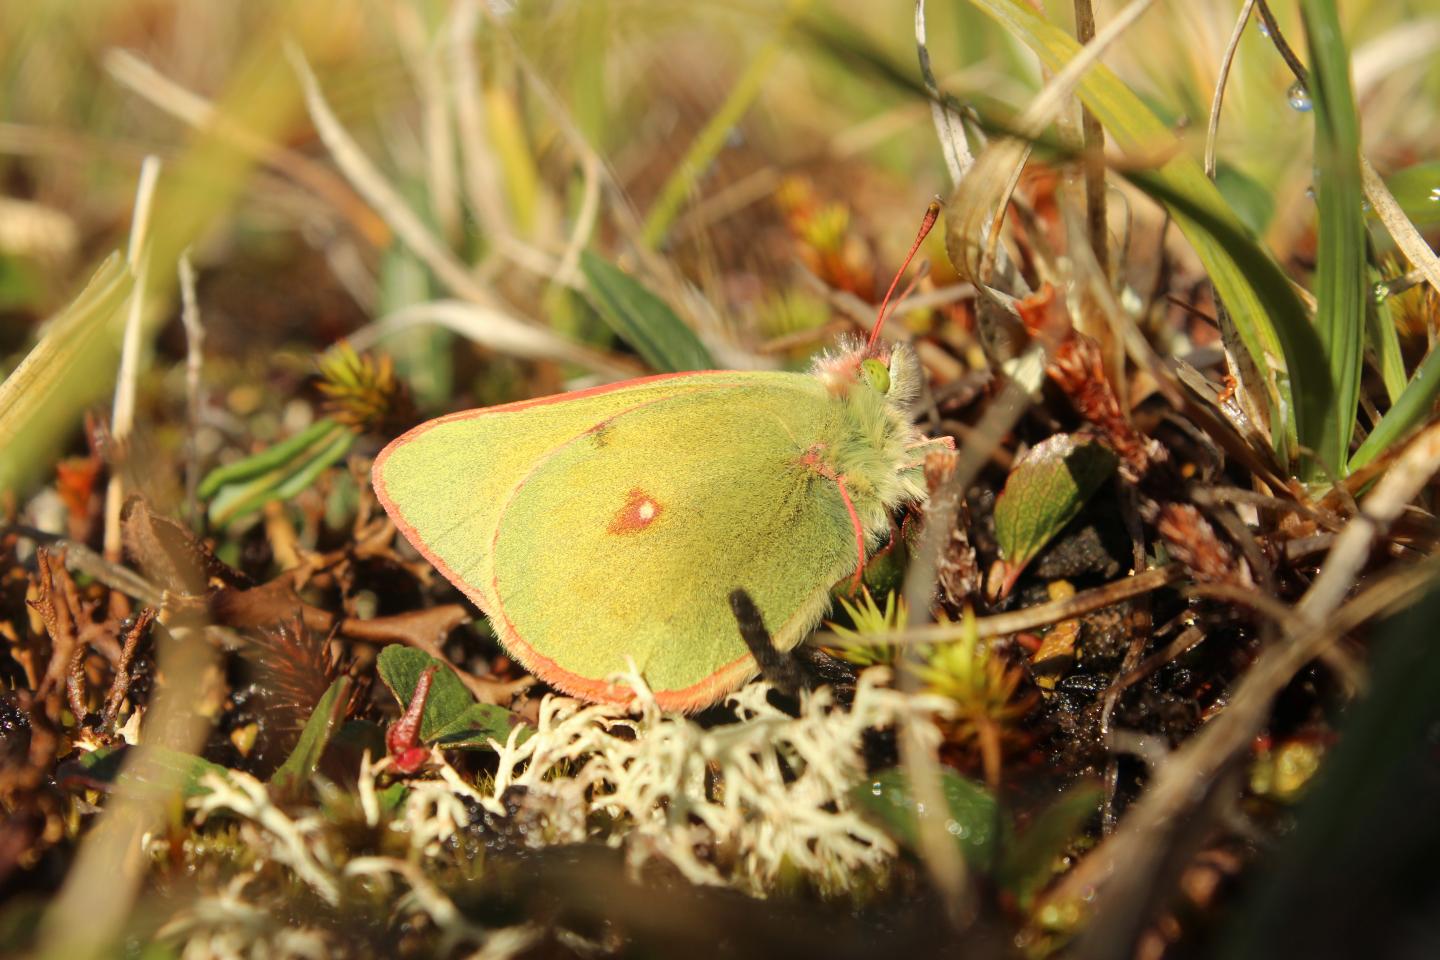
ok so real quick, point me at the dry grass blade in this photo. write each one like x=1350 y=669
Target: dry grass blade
x=122 y=411
x=480 y=178
x=1213 y=127
x=490 y=327
x=373 y=186
x=427 y=68
x=196 y=111
x=194 y=363
x=949 y=127
x=536 y=341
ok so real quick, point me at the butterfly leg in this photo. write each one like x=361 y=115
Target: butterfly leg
x=859 y=529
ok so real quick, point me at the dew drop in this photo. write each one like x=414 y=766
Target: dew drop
x=877 y=788
x=1382 y=292
x=1264 y=30
x=1310 y=192
x=1365 y=205
x=1434 y=195
x=1299 y=98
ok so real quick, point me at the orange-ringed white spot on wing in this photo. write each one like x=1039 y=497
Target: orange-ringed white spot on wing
x=639 y=511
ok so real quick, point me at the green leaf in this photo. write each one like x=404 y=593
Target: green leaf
x=425 y=356
x=1413 y=407
x=1030 y=862
x=305 y=757
x=277 y=473
x=1341 y=275
x=452 y=717
x=147 y=769
x=1268 y=315
x=1417 y=190
x=392 y=796
x=973 y=815
x=1046 y=490
x=477 y=725
x=643 y=320
x=1252 y=201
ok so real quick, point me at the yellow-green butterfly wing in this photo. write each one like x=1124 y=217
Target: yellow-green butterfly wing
x=445 y=481
x=605 y=529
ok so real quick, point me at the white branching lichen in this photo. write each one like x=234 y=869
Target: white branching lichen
x=771 y=789
x=748 y=805
x=299 y=844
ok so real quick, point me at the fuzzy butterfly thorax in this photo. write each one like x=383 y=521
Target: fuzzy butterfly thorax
x=876 y=447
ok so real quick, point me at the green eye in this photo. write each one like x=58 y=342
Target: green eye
x=876 y=374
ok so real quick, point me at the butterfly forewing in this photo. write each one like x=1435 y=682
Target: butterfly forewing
x=445 y=481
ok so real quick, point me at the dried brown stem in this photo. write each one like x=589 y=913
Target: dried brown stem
x=1096 y=220
x=120 y=685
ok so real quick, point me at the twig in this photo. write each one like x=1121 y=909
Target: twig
x=79 y=557
x=1188 y=639
x=120 y=685
x=1213 y=128
x=1033 y=618
x=75 y=682
x=1287 y=53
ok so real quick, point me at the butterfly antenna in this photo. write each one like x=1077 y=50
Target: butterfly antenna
x=932 y=213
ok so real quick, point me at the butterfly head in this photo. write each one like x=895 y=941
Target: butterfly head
x=890 y=370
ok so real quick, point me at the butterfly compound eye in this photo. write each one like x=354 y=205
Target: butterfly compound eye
x=877 y=374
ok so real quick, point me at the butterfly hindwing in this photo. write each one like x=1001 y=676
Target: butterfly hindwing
x=627 y=540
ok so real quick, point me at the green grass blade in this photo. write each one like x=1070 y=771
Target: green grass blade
x=1341 y=269
x=69 y=368
x=711 y=137
x=1382 y=337
x=266 y=460
x=1270 y=318
x=1408 y=412
x=643 y=320
x=324 y=720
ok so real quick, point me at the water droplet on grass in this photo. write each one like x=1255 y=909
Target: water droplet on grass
x=1299 y=98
